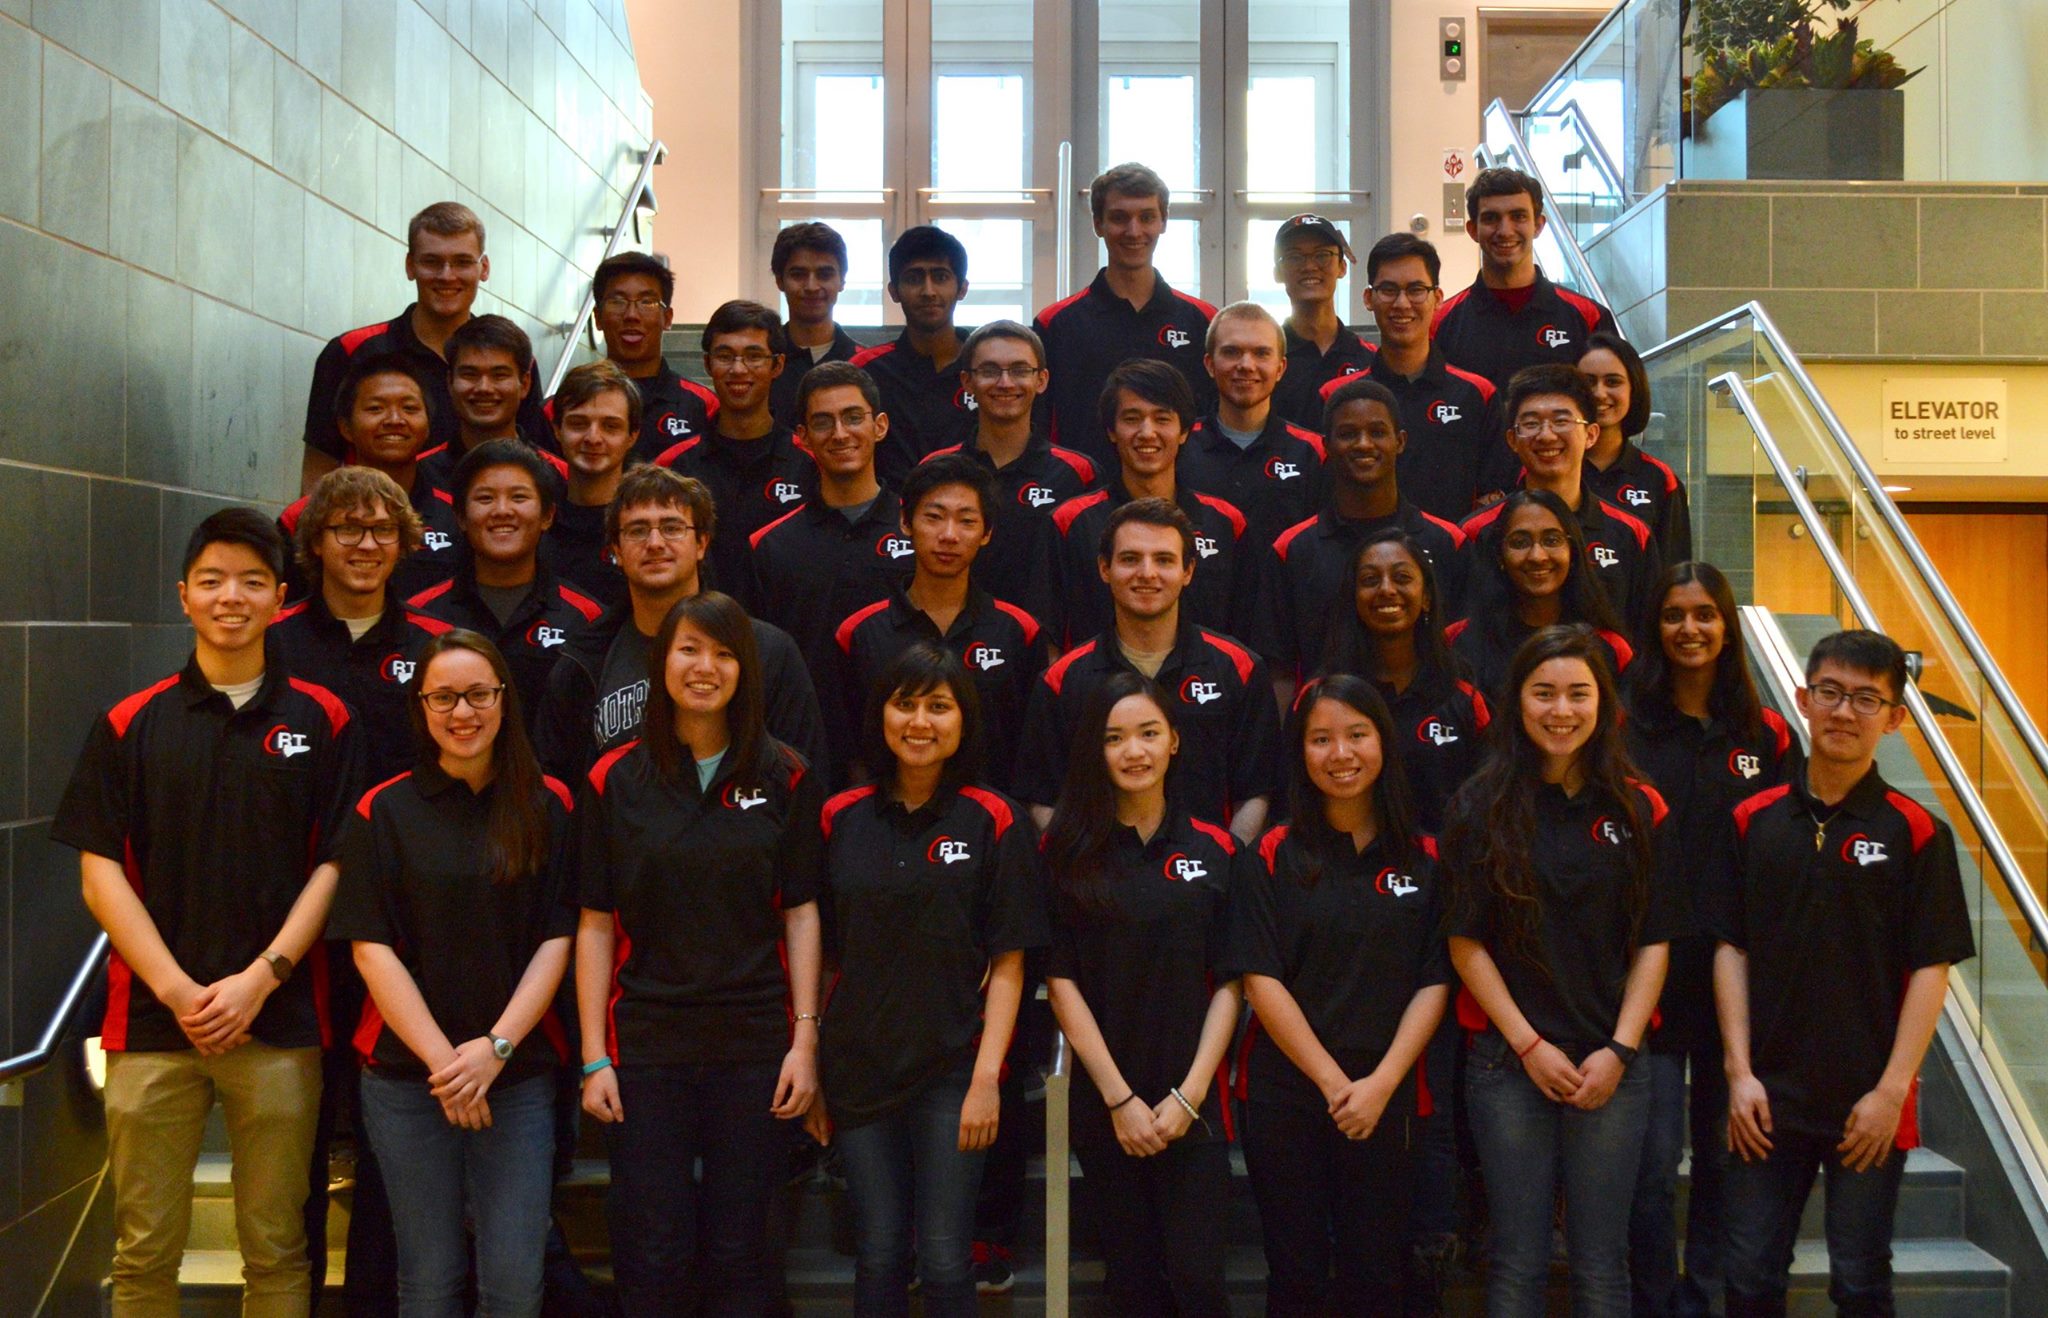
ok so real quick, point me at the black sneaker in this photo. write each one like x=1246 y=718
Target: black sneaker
x=992 y=1275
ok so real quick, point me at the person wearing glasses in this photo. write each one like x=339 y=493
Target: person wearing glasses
x=1311 y=257
x=747 y=459
x=1454 y=459
x=634 y=295
x=919 y=372
x=596 y=415
x=454 y=877
x=1838 y=908
x=1244 y=451
x=1549 y=413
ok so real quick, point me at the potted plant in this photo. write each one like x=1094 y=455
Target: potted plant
x=1774 y=96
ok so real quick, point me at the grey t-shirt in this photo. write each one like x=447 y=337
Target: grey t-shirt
x=621 y=690
x=504 y=601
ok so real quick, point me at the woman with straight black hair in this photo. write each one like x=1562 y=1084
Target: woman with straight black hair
x=932 y=883
x=1616 y=469
x=697 y=850
x=452 y=885
x=1706 y=743
x=1337 y=931
x=1562 y=912
x=1530 y=572
x=1140 y=910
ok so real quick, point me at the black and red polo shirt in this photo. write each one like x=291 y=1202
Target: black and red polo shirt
x=672 y=410
x=1487 y=645
x=1221 y=559
x=530 y=638
x=1147 y=958
x=1835 y=907
x=1275 y=482
x=1306 y=584
x=1457 y=449
x=429 y=565
x=1494 y=333
x=696 y=882
x=1650 y=491
x=918 y=902
x=1299 y=396
x=218 y=816
x=574 y=546
x=1089 y=334
x=1229 y=726
x=752 y=482
x=415 y=876
x=1353 y=949
x=438 y=464
x=927 y=405
x=782 y=395
x=1014 y=564
x=813 y=566
x=1618 y=544
x=373 y=674
x=1440 y=724
x=1002 y=646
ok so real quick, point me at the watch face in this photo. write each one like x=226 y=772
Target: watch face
x=502 y=1047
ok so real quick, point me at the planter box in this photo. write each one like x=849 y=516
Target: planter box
x=1803 y=133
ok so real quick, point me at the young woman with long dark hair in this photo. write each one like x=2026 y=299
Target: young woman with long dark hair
x=1616 y=469
x=452 y=883
x=1140 y=907
x=1562 y=912
x=697 y=960
x=933 y=886
x=1338 y=933
x=1699 y=734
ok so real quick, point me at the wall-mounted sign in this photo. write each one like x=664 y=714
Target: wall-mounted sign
x=1933 y=419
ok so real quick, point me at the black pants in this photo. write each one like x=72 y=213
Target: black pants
x=1163 y=1227
x=1328 y=1203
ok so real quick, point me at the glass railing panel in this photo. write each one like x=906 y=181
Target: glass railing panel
x=1557 y=251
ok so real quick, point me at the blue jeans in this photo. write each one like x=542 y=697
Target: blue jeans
x=1525 y=1143
x=909 y=1181
x=1660 y=1291
x=1765 y=1200
x=438 y=1176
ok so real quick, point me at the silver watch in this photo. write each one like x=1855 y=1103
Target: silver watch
x=502 y=1048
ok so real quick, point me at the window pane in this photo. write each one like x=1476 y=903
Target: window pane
x=980 y=137
x=847 y=128
x=1175 y=256
x=1280 y=116
x=1300 y=63
x=999 y=268
x=867 y=269
x=1268 y=292
x=833 y=99
x=1150 y=118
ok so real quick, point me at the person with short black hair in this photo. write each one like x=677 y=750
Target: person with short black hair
x=596 y=414
x=809 y=265
x=633 y=297
x=1616 y=468
x=1245 y=451
x=1311 y=256
x=1838 y=908
x=920 y=372
x=491 y=378
x=1128 y=312
x=208 y=922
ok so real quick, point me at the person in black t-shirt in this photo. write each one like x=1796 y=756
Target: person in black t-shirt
x=597 y=417
x=933 y=894
x=1311 y=256
x=1838 y=909
x=1141 y=894
x=453 y=895
x=697 y=966
x=1616 y=469
x=1698 y=733
x=634 y=295
x=809 y=265
x=1563 y=906
x=1338 y=934
x=922 y=373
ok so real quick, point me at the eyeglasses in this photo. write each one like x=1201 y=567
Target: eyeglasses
x=433 y=266
x=352 y=533
x=1322 y=259
x=1829 y=696
x=477 y=697
x=618 y=304
x=1015 y=373
x=824 y=423
x=1523 y=541
x=1529 y=427
x=670 y=529
x=1397 y=292
x=724 y=359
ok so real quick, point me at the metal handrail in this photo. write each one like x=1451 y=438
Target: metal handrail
x=1888 y=512
x=1575 y=255
x=643 y=186
x=1988 y=833
x=40 y=1056
x=1570 y=110
x=1059 y=1190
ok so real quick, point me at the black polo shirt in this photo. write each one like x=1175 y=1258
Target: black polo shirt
x=1651 y=492
x=1229 y=727
x=1089 y=334
x=531 y=639
x=1457 y=449
x=429 y=565
x=1835 y=907
x=814 y=567
x=1619 y=545
x=782 y=395
x=1440 y=725
x=1301 y=391
x=672 y=410
x=1221 y=559
x=1275 y=483
x=1584 y=940
x=438 y=464
x=1703 y=769
x=1476 y=330
x=1306 y=584
x=919 y=902
x=218 y=815
x=1147 y=963
x=752 y=482
x=1015 y=564
x=1002 y=646
x=373 y=675
x=415 y=876
x=697 y=882
x=1353 y=949
x=927 y=406
x=1487 y=646
x=574 y=547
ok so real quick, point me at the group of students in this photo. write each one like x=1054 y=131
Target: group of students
x=755 y=751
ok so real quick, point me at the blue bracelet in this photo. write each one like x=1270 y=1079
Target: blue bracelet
x=592 y=1068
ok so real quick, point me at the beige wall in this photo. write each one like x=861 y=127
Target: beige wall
x=689 y=53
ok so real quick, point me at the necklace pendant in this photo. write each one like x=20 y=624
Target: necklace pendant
x=1820 y=834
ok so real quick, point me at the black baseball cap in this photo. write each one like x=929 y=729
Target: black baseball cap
x=1311 y=223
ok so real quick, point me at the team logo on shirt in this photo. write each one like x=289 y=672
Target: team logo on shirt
x=947 y=851
x=1602 y=555
x=1036 y=496
x=1206 y=547
x=1394 y=884
x=963 y=398
x=1175 y=338
x=1553 y=337
x=1744 y=765
x=1609 y=833
x=1634 y=497
x=674 y=427
x=1445 y=413
x=545 y=636
x=1282 y=471
x=396 y=668
x=739 y=800
x=281 y=740
x=436 y=541
x=984 y=657
x=1183 y=868
x=1195 y=691
x=783 y=491
x=894 y=546
x=1436 y=732
x=1863 y=850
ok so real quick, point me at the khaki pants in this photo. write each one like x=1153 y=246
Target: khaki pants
x=157 y=1104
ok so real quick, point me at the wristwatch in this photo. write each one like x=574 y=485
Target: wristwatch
x=1622 y=1051
x=500 y=1048
x=280 y=965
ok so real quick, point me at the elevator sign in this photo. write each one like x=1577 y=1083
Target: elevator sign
x=1935 y=419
